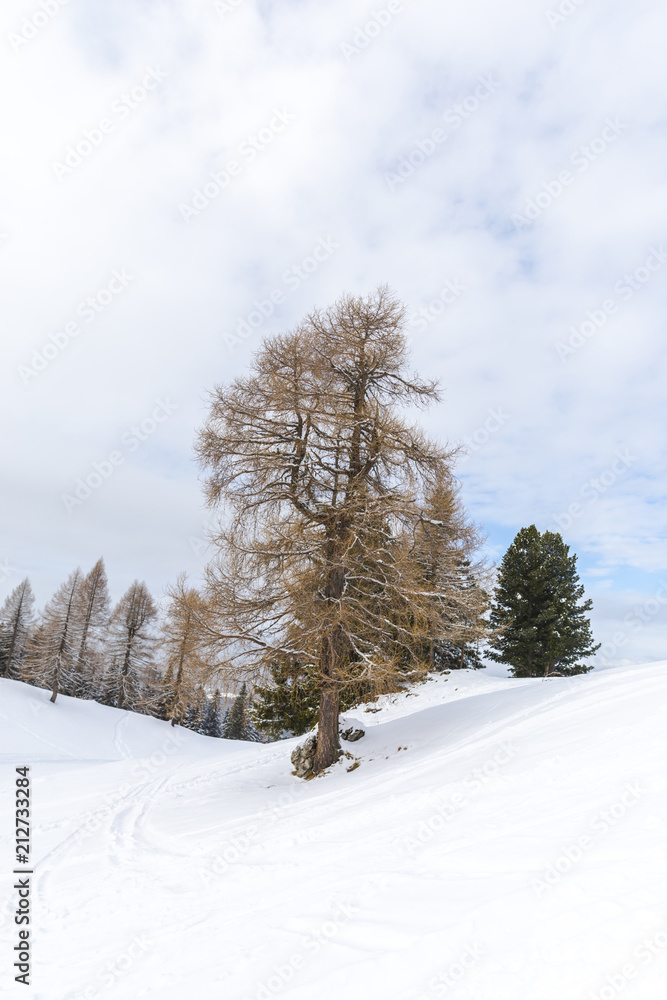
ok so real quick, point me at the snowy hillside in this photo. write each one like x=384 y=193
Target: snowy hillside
x=498 y=840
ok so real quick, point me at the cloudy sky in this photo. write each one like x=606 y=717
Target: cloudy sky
x=170 y=166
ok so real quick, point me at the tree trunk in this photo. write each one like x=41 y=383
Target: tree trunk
x=120 y=697
x=78 y=670
x=55 y=687
x=328 y=742
x=177 y=687
x=8 y=671
x=327 y=751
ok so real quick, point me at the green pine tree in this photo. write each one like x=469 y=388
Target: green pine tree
x=289 y=703
x=211 y=719
x=544 y=630
x=237 y=724
x=193 y=715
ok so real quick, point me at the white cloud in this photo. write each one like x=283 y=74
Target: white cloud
x=324 y=177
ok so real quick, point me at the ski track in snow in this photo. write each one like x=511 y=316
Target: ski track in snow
x=119 y=743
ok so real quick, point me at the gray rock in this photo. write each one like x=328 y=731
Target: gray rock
x=303 y=757
x=352 y=735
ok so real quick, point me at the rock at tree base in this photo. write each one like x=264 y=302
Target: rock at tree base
x=303 y=757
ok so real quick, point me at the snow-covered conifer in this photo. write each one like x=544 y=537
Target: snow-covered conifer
x=16 y=619
x=94 y=605
x=51 y=653
x=131 y=644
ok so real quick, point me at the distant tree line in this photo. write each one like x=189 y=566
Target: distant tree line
x=128 y=656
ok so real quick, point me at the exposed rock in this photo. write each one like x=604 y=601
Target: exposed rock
x=303 y=757
x=352 y=735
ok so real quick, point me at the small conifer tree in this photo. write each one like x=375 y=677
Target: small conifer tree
x=289 y=703
x=543 y=629
x=237 y=725
x=211 y=719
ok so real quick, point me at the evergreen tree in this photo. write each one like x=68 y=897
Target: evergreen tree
x=238 y=725
x=288 y=704
x=211 y=720
x=235 y=728
x=193 y=714
x=16 y=619
x=224 y=722
x=544 y=630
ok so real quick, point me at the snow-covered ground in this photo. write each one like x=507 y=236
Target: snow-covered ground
x=498 y=840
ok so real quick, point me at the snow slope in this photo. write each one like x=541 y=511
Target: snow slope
x=499 y=840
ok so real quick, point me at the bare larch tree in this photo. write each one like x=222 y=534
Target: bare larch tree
x=51 y=649
x=131 y=643
x=185 y=668
x=94 y=620
x=321 y=483
x=16 y=618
